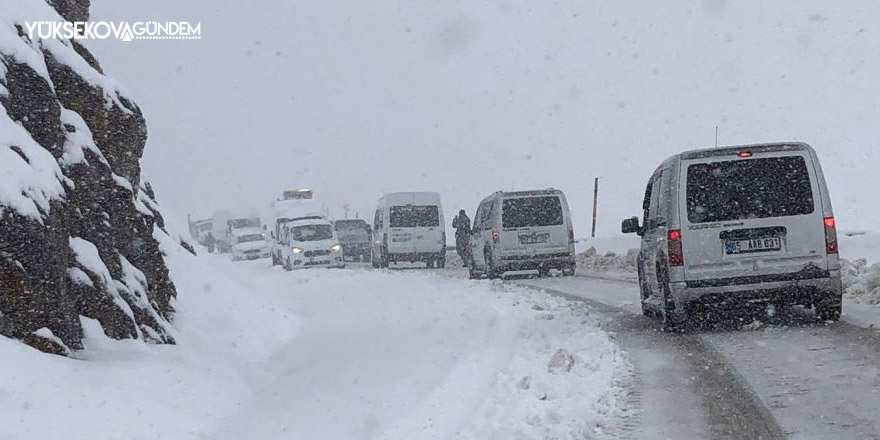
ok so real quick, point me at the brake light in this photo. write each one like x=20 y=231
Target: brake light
x=571 y=235
x=495 y=235
x=744 y=154
x=676 y=256
x=830 y=236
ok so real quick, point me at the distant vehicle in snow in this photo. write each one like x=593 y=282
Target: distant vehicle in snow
x=199 y=230
x=736 y=226
x=309 y=243
x=409 y=227
x=355 y=235
x=284 y=211
x=522 y=230
x=235 y=224
x=249 y=244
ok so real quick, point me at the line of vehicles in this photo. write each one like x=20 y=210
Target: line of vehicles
x=721 y=228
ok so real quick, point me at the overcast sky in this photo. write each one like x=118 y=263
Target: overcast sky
x=354 y=98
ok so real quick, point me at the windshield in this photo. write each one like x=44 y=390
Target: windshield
x=311 y=233
x=748 y=189
x=531 y=211
x=244 y=223
x=411 y=216
x=250 y=237
x=351 y=226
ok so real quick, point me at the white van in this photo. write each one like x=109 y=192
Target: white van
x=738 y=226
x=309 y=243
x=409 y=227
x=523 y=230
x=249 y=244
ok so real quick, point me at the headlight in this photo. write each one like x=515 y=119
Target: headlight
x=296 y=250
x=336 y=247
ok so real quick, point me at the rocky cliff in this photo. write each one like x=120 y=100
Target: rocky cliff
x=78 y=227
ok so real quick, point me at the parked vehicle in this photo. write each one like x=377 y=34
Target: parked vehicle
x=735 y=226
x=356 y=238
x=409 y=227
x=249 y=244
x=522 y=230
x=310 y=243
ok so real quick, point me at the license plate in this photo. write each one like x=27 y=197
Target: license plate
x=768 y=244
x=534 y=238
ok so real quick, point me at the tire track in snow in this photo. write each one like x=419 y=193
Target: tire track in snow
x=681 y=369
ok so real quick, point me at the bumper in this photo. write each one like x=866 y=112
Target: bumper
x=356 y=249
x=739 y=292
x=413 y=257
x=250 y=256
x=333 y=260
x=549 y=261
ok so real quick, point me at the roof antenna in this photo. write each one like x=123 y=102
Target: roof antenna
x=716 y=136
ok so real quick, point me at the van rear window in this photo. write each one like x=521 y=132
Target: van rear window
x=411 y=216
x=747 y=189
x=531 y=211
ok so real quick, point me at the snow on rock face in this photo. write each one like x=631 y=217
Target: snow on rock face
x=77 y=227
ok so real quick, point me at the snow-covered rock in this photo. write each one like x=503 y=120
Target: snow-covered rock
x=76 y=223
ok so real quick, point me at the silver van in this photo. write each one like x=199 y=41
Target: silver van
x=409 y=227
x=523 y=230
x=737 y=226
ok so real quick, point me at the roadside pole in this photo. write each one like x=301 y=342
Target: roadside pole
x=595 y=205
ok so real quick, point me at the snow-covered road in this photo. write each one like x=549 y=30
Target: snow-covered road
x=331 y=354
x=794 y=378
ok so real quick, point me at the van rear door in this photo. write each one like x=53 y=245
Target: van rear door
x=533 y=225
x=415 y=228
x=751 y=214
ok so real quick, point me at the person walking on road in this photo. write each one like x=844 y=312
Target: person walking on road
x=210 y=242
x=462 y=225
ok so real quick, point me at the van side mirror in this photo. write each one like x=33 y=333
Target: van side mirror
x=631 y=226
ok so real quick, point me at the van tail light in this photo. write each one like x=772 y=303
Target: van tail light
x=495 y=235
x=571 y=236
x=676 y=255
x=830 y=236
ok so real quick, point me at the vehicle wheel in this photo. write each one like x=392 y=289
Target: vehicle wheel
x=543 y=272
x=472 y=273
x=383 y=259
x=287 y=265
x=441 y=263
x=430 y=263
x=491 y=271
x=670 y=322
x=368 y=257
x=568 y=271
x=829 y=311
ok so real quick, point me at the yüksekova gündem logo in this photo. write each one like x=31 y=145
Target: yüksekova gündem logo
x=125 y=31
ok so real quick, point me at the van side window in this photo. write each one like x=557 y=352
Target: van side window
x=377 y=220
x=486 y=217
x=654 y=207
x=646 y=203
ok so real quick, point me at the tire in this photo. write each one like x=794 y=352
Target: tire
x=430 y=263
x=568 y=271
x=441 y=263
x=543 y=273
x=671 y=323
x=287 y=266
x=472 y=273
x=491 y=271
x=829 y=311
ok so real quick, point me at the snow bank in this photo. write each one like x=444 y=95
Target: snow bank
x=263 y=353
